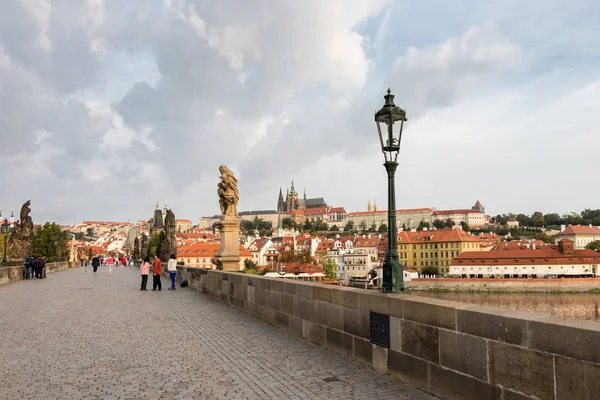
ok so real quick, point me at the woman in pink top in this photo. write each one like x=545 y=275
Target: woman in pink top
x=144 y=270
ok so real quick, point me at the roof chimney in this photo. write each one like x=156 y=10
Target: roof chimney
x=562 y=228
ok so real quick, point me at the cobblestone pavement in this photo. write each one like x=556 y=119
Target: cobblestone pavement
x=79 y=336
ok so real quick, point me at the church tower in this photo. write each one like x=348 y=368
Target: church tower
x=369 y=206
x=280 y=203
x=292 y=199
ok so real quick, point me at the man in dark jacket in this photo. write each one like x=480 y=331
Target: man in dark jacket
x=95 y=264
x=28 y=265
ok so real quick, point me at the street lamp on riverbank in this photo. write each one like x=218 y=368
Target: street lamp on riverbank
x=5 y=228
x=390 y=121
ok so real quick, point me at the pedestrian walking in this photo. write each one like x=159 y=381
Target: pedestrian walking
x=172 y=268
x=95 y=264
x=156 y=272
x=144 y=270
x=111 y=262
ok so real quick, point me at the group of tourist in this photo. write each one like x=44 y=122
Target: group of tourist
x=157 y=270
x=109 y=261
x=34 y=268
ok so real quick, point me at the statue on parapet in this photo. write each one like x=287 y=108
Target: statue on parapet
x=228 y=192
x=21 y=240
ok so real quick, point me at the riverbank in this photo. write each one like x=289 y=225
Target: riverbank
x=563 y=285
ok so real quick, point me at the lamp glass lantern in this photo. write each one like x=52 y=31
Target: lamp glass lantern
x=5 y=226
x=390 y=121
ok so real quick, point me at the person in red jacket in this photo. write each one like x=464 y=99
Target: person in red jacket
x=156 y=272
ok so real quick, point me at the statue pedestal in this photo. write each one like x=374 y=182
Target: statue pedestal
x=228 y=254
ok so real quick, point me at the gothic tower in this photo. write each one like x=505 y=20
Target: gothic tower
x=280 y=203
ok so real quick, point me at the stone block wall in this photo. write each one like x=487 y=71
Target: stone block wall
x=12 y=274
x=452 y=350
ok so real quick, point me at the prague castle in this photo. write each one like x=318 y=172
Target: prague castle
x=292 y=202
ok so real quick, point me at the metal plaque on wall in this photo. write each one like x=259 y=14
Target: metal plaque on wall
x=380 y=329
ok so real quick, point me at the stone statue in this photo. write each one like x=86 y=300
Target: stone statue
x=136 y=249
x=144 y=245
x=21 y=240
x=228 y=192
x=170 y=227
x=228 y=255
x=162 y=251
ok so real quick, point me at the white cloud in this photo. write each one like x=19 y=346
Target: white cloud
x=441 y=74
x=40 y=11
x=146 y=99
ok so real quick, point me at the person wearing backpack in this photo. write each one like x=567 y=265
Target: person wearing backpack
x=28 y=268
x=95 y=264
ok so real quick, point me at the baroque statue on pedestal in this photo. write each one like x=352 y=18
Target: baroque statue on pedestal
x=228 y=192
x=21 y=240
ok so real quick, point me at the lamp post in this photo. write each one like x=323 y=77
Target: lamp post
x=5 y=228
x=390 y=121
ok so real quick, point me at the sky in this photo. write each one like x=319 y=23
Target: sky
x=107 y=107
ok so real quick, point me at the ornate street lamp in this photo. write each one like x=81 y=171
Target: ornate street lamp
x=390 y=121
x=5 y=228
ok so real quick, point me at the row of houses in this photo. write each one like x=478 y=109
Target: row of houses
x=371 y=218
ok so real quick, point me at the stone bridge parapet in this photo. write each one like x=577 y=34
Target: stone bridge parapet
x=450 y=349
x=15 y=273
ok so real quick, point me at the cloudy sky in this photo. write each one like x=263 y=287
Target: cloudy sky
x=107 y=106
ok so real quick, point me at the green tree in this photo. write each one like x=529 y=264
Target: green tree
x=538 y=219
x=595 y=245
x=334 y=228
x=373 y=227
x=287 y=223
x=308 y=226
x=465 y=226
x=429 y=270
x=449 y=223
x=423 y=224
x=439 y=224
x=45 y=241
x=247 y=226
x=320 y=225
x=250 y=267
x=363 y=225
x=349 y=226
x=331 y=268
x=153 y=244
x=544 y=237
x=89 y=232
x=552 y=220
x=383 y=228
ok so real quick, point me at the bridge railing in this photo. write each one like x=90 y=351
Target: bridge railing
x=450 y=349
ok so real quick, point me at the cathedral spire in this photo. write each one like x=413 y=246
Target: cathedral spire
x=292 y=190
x=304 y=193
x=369 y=206
x=280 y=203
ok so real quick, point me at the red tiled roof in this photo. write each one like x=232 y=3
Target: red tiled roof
x=436 y=236
x=580 y=230
x=324 y=246
x=205 y=250
x=525 y=257
x=449 y=212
